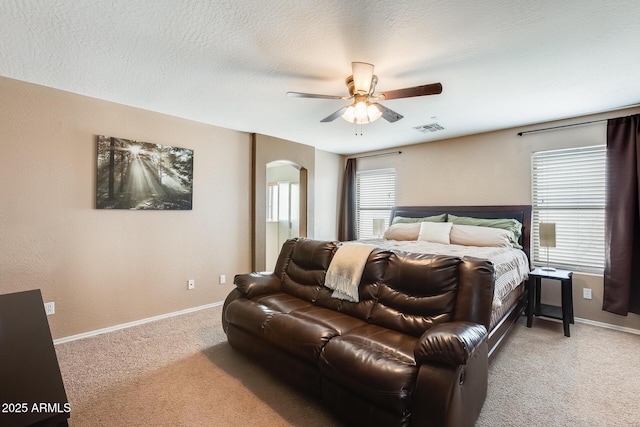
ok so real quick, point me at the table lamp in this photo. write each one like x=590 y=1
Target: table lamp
x=547 y=235
x=378 y=227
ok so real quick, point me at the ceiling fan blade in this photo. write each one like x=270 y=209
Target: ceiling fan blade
x=387 y=113
x=314 y=95
x=362 y=76
x=335 y=115
x=430 y=89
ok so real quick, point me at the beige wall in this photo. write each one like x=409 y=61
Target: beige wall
x=495 y=168
x=329 y=171
x=107 y=267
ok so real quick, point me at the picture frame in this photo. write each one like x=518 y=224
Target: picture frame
x=143 y=176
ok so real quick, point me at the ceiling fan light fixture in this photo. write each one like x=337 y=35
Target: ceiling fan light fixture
x=349 y=114
x=362 y=76
x=373 y=112
x=361 y=112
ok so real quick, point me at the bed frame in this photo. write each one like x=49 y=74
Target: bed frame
x=521 y=213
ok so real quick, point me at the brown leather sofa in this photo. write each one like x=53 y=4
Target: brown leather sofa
x=411 y=352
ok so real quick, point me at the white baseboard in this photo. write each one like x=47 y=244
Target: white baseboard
x=219 y=303
x=607 y=325
x=596 y=323
x=134 y=323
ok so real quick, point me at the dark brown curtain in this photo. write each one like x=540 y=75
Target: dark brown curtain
x=347 y=227
x=622 y=225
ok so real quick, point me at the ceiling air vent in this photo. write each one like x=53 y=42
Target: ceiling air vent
x=431 y=127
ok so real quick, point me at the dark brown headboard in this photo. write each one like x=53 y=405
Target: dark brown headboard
x=521 y=213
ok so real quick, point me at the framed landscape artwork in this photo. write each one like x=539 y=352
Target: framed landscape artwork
x=141 y=175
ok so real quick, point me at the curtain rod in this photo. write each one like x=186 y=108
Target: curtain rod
x=560 y=127
x=577 y=124
x=391 y=153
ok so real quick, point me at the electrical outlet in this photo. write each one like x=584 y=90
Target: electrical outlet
x=191 y=284
x=586 y=293
x=50 y=308
x=223 y=279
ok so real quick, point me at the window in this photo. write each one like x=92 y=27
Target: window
x=272 y=202
x=375 y=196
x=569 y=190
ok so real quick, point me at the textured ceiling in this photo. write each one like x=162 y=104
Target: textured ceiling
x=503 y=63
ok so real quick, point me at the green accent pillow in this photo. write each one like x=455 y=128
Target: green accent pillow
x=407 y=220
x=513 y=226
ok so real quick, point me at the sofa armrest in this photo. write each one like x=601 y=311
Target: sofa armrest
x=475 y=292
x=453 y=343
x=450 y=391
x=257 y=283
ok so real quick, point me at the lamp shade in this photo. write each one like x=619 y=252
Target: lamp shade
x=362 y=76
x=547 y=234
x=378 y=226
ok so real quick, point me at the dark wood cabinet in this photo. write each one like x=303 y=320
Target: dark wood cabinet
x=31 y=388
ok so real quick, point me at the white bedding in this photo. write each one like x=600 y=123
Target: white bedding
x=511 y=265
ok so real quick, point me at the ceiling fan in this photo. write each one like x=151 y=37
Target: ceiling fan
x=361 y=85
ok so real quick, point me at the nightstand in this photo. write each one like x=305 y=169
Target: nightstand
x=565 y=312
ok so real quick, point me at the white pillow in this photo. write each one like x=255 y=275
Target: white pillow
x=403 y=231
x=436 y=232
x=473 y=235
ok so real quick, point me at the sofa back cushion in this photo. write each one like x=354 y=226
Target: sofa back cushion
x=367 y=290
x=417 y=292
x=302 y=266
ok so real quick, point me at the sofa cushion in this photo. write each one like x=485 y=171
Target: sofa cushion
x=418 y=291
x=375 y=363
x=281 y=302
x=251 y=315
x=248 y=315
x=303 y=338
x=305 y=332
x=367 y=290
x=359 y=310
x=341 y=322
x=304 y=271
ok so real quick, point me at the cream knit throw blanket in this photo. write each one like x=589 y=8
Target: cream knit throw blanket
x=345 y=270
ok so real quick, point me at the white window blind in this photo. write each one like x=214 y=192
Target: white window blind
x=272 y=201
x=376 y=195
x=569 y=190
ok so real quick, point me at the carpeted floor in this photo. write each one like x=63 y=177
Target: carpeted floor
x=542 y=378
x=181 y=372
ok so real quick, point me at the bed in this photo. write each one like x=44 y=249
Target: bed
x=512 y=264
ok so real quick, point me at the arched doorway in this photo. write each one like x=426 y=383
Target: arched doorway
x=282 y=207
x=272 y=151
